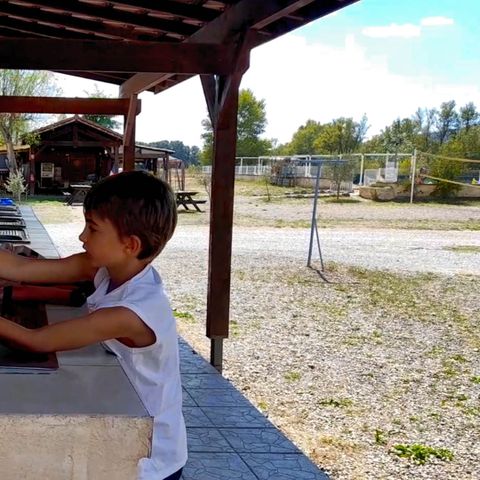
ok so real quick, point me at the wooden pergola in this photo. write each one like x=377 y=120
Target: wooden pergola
x=151 y=45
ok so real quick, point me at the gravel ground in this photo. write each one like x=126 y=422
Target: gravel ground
x=353 y=363
x=400 y=250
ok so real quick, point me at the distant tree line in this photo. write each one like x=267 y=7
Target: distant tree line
x=190 y=155
x=445 y=130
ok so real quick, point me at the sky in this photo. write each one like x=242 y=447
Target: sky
x=382 y=58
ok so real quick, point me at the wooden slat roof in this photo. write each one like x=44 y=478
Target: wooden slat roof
x=149 y=22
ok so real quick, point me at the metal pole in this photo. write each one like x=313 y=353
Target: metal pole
x=414 y=167
x=318 y=245
x=362 y=164
x=314 y=219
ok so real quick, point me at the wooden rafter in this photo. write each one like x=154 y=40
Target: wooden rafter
x=115 y=15
x=101 y=106
x=181 y=10
x=113 y=56
x=69 y=23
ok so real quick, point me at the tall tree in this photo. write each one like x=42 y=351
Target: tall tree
x=425 y=119
x=468 y=115
x=107 y=121
x=13 y=126
x=342 y=135
x=304 y=138
x=252 y=121
x=447 y=121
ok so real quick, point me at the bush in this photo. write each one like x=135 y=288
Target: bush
x=16 y=184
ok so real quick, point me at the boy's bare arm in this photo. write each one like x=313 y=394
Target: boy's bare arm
x=101 y=325
x=74 y=268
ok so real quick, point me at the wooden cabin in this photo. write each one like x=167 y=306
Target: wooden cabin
x=75 y=150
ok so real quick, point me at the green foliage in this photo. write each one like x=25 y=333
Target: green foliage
x=304 y=138
x=15 y=184
x=190 y=155
x=421 y=453
x=338 y=173
x=469 y=116
x=447 y=169
x=447 y=121
x=13 y=126
x=292 y=376
x=251 y=123
x=380 y=437
x=106 y=121
x=342 y=135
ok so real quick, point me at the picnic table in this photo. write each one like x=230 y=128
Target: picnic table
x=77 y=194
x=186 y=198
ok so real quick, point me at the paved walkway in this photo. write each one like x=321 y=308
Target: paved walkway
x=228 y=438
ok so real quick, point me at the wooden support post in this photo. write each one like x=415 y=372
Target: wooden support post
x=129 y=136
x=221 y=93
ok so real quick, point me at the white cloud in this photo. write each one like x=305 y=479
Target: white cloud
x=436 y=21
x=407 y=30
x=299 y=81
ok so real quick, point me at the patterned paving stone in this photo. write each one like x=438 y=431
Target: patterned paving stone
x=258 y=440
x=207 y=380
x=216 y=397
x=194 y=417
x=207 y=440
x=238 y=417
x=195 y=364
x=275 y=466
x=188 y=401
x=216 y=466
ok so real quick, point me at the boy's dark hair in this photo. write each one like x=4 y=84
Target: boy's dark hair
x=136 y=203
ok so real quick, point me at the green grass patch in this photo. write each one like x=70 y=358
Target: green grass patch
x=44 y=200
x=186 y=316
x=420 y=454
x=340 y=200
x=292 y=376
x=464 y=248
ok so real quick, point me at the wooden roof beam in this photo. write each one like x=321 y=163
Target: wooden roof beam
x=115 y=56
x=243 y=15
x=181 y=10
x=115 y=15
x=101 y=106
x=69 y=23
x=35 y=29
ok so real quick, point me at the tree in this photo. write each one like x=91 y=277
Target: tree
x=425 y=120
x=340 y=136
x=13 y=126
x=447 y=121
x=304 y=138
x=401 y=136
x=468 y=116
x=251 y=123
x=190 y=155
x=106 y=121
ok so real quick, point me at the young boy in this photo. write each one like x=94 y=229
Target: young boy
x=129 y=218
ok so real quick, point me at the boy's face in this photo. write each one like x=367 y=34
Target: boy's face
x=101 y=241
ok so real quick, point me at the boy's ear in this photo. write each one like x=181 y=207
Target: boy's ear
x=133 y=245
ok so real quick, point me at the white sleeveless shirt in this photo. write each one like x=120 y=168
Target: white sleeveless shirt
x=154 y=370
